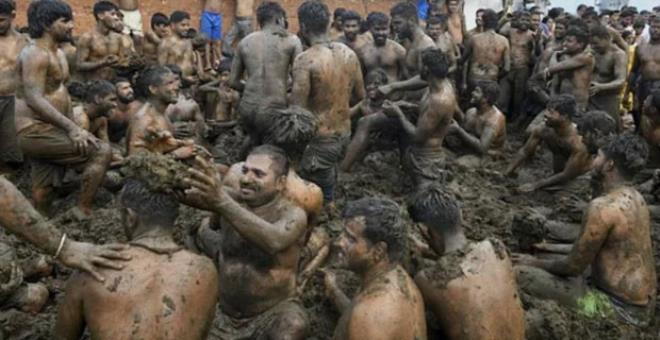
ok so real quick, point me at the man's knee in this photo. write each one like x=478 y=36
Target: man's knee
x=104 y=151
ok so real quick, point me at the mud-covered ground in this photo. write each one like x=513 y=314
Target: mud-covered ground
x=491 y=208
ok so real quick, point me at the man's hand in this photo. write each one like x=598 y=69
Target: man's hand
x=595 y=88
x=110 y=60
x=81 y=139
x=524 y=259
x=385 y=90
x=89 y=257
x=205 y=183
x=390 y=109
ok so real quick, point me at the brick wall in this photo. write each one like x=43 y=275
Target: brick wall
x=85 y=20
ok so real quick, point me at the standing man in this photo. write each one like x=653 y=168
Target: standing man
x=132 y=18
x=266 y=57
x=408 y=32
x=11 y=44
x=351 y=22
x=177 y=49
x=325 y=77
x=242 y=25
x=436 y=29
x=647 y=65
x=160 y=29
x=382 y=52
x=514 y=84
x=210 y=23
x=46 y=134
x=388 y=306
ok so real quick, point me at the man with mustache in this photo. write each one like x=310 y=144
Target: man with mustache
x=177 y=48
x=46 y=133
x=408 y=32
x=350 y=22
x=127 y=107
x=105 y=46
x=615 y=242
x=372 y=244
x=257 y=242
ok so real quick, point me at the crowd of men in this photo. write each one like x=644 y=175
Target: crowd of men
x=311 y=104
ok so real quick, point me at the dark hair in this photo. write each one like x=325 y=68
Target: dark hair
x=225 y=65
x=589 y=13
x=379 y=74
x=626 y=34
x=176 y=69
x=179 y=16
x=290 y=129
x=120 y=80
x=277 y=155
x=97 y=88
x=314 y=16
x=628 y=12
x=490 y=89
x=339 y=12
x=377 y=18
x=269 y=11
x=351 y=16
x=152 y=76
x=563 y=22
x=436 y=61
x=7 y=7
x=150 y=206
x=639 y=23
x=582 y=36
x=629 y=153
x=480 y=10
x=577 y=23
x=490 y=19
x=437 y=20
x=159 y=19
x=555 y=12
x=581 y=6
x=102 y=7
x=436 y=208
x=599 y=125
x=600 y=32
x=404 y=9
x=383 y=223
x=655 y=98
x=43 y=13
x=565 y=104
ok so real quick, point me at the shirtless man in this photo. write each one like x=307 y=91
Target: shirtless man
x=456 y=25
x=210 y=24
x=185 y=114
x=570 y=156
x=615 y=242
x=486 y=54
x=372 y=245
x=265 y=87
x=242 y=25
x=350 y=23
x=650 y=127
x=100 y=99
x=647 y=64
x=382 y=52
x=132 y=20
x=160 y=29
x=609 y=74
x=425 y=158
x=556 y=43
x=514 y=85
x=408 y=32
x=11 y=44
x=257 y=245
x=573 y=67
x=336 y=26
x=227 y=99
x=479 y=25
x=46 y=133
x=465 y=303
x=484 y=128
x=325 y=77
x=127 y=107
x=165 y=292
x=177 y=49
x=436 y=29
x=105 y=46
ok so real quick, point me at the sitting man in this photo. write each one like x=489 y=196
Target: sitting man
x=185 y=114
x=127 y=107
x=92 y=115
x=570 y=156
x=165 y=292
x=484 y=129
x=372 y=244
x=480 y=280
x=615 y=241
x=257 y=245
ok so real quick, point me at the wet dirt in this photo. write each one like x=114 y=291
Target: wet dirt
x=490 y=206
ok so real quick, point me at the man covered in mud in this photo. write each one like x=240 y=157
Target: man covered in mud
x=650 y=126
x=257 y=245
x=522 y=42
x=647 y=64
x=382 y=52
x=100 y=99
x=242 y=26
x=46 y=133
x=615 y=241
x=104 y=47
x=486 y=54
x=570 y=157
x=405 y=24
x=265 y=87
x=350 y=23
x=372 y=245
x=609 y=74
x=185 y=114
x=165 y=292
x=436 y=29
x=11 y=44
x=127 y=107
x=484 y=128
x=325 y=78
x=177 y=48
x=160 y=29
x=471 y=286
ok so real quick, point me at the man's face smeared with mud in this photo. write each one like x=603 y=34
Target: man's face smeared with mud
x=62 y=30
x=125 y=92
x=351 y=29
x=259 y=182
x=373 y=83
x=380 y=32
x=5 y=23
x=477 y=96
x=111 y=21
x=403 y=28
x=351 y=249
x=168 y=90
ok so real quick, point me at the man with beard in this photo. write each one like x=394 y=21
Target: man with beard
x=553 y=45
x=382 y=52
x=351 y=22
x=257 y=245
x=160 y=29
x=609 y=74
x=647 y=65
x=105 y=46
x=615 y=242
x=127 y=107
x=372 y=245
x=336 y=26
x=456 y=25
x=265 y=87
x=514 y=84
x=100 y=99
x=479 y=25
x=463 y=299
x=165 y=292
x=11 y=44
x=484 y=128
x=408 y=32
x=132 y=19
x=46 y=133
x=436 y=28
x=177 y=48
x=185 y=114
x=570 y=156
x=325 y=77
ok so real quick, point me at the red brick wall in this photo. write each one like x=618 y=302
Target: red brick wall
x=85 y=20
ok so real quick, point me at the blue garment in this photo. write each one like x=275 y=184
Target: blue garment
x=211 y=25
x=422 y=9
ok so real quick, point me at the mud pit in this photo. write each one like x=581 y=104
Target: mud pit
x=490 y=205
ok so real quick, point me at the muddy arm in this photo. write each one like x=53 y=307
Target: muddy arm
x=527 y=151
x=237 y=70
x=577 y=165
